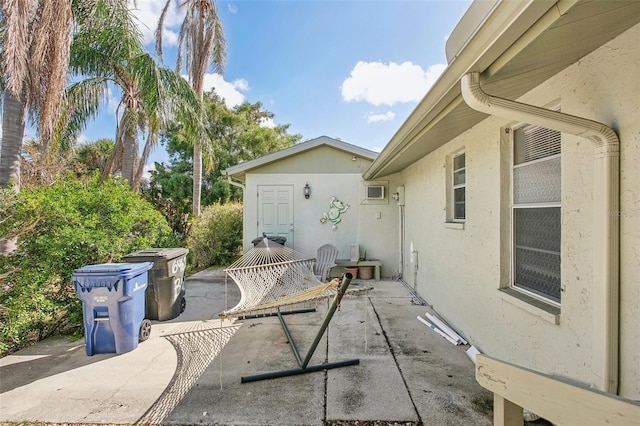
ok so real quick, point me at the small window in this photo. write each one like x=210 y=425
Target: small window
x=459 y=188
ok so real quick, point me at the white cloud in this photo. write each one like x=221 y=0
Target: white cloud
x=231 y=92
x=112 y=101
x=387 y=116
x=267 y=122
x=148 y=168
x=232 y=8
x=387 y=84
x=148 y=11
x=81 y=139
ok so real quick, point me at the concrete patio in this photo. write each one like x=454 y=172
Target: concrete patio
x=189 y=371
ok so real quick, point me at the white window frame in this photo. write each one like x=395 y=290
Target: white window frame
x=514 y=207
x=455 y=187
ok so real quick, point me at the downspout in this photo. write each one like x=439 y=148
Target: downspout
x=232 y=182
x=606 y=217
x=244 y=219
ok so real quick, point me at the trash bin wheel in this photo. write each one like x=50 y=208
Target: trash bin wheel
x=183 y=305
x=145 y=330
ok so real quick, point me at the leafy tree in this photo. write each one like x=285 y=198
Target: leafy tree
x=62 y=227
x=169 y=191
x=240 y=135
x=39 y=168
x=202 y=41
x=217 y=236
x=95 y=156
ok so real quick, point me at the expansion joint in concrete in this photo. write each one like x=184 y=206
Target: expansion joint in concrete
x=395 y=360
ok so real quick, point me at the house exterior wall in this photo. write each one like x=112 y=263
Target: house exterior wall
x=461 y=268
x=330 y=172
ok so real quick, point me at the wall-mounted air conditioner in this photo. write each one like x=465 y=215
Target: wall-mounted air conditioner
x=375 y=192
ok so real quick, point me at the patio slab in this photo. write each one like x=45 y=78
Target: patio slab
x=189 y=371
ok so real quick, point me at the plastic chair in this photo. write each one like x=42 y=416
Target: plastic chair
x=325 y=260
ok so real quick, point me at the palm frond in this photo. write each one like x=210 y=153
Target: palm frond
x=159 y=28
x=82 y=103
x=107 y=35
x=18 y=16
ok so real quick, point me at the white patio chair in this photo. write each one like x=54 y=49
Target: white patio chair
x=325 y=260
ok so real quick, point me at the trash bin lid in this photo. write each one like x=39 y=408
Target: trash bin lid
x=275 y=238
x=157 y=253
x=115 y=270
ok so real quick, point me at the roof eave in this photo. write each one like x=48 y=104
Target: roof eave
x=507 y=21
x=239 y=171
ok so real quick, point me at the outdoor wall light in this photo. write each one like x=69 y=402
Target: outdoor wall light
x=306 y=190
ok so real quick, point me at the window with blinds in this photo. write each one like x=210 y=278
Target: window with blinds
x=536 y=212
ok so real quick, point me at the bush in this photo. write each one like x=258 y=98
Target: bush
x=63 y=227
x=215 y=238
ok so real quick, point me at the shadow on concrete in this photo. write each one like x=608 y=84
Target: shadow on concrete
x=56 y=355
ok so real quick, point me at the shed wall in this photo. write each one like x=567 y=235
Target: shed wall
x=373 y=224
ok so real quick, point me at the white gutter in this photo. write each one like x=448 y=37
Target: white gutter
x=606 y=220
x=232 y=182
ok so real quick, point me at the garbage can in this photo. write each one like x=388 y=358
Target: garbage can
x=275 y=238
x=165 y=294
x=113 y=305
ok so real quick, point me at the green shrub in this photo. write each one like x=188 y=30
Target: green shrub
x=215 y=238
x=62 y=227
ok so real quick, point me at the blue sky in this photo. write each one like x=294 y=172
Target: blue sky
x=352 y=70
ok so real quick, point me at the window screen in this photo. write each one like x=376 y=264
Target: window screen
x=536 y=211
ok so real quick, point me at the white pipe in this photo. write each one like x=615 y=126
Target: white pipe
x=401 y=241
x=434 y=328
x=606 y=221
x=444 y=327
x=231 y=182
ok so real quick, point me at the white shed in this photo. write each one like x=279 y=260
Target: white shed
x=313 y=193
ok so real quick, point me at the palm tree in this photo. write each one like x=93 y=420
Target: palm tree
x=35 y=43
x=202 y=40
x=153 y=98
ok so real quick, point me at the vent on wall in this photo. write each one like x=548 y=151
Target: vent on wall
x=375 y=192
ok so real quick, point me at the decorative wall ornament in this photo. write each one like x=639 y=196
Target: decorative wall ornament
x=336 y=208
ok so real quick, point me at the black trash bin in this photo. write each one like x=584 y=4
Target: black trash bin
x=275 y=238
x=113 y=306
x=165 y=294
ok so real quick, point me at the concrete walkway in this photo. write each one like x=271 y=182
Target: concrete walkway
x=189 y=371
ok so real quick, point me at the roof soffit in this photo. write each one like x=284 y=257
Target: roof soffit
x=560 y=41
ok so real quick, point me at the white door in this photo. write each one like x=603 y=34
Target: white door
x=275 y=211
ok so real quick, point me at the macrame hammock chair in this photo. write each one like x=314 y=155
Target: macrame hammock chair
x=271 y=276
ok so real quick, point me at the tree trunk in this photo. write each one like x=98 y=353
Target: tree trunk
x=11 y=148
x=197 y=178
x=148 y=146
x=130 y=156
x=11 y=153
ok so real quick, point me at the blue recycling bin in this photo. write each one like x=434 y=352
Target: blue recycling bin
x=113 y=305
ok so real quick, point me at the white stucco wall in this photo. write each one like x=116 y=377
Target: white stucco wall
x=371 y=224
x=460 y=270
